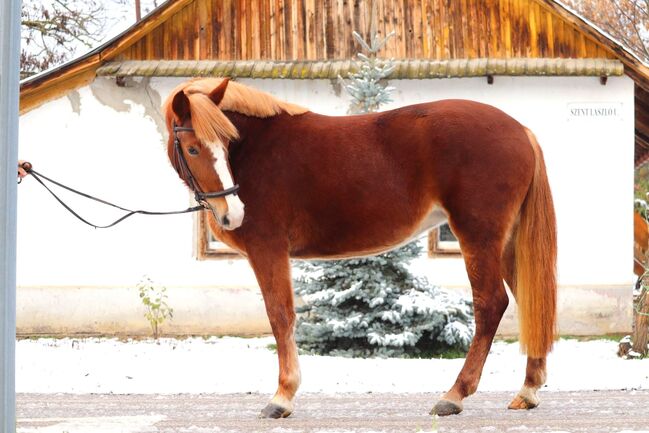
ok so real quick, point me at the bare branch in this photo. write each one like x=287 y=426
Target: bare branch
x=53 y=31
x=625 y=20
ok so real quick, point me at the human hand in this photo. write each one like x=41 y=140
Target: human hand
x=23 y=166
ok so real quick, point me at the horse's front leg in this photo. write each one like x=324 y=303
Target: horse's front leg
x=272 y=268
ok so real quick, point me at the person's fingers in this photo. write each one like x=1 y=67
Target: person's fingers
x=23 y=166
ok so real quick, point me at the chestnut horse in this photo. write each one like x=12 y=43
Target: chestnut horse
x=316 y=186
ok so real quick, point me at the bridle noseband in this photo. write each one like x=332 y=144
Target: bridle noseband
x=186 y=173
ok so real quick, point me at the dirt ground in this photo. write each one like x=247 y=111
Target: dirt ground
x=591 y=412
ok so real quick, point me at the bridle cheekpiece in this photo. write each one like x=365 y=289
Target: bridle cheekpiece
x=200 y=196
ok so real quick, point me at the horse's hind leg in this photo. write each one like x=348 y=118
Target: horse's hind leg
x=482 y=258
x=535 y=373
x=272 y=269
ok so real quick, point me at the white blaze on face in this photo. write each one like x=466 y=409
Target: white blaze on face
x=235 y=206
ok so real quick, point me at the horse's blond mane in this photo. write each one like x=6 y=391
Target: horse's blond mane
x=209 y=122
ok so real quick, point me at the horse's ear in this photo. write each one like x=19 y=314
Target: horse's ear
x=180 y=105
x=217 y=94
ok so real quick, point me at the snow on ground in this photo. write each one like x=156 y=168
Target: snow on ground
x=236 y=365
x=98 y=424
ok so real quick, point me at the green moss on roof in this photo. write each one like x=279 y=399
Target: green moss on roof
x=330 y=69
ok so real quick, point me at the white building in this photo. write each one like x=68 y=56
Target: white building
x=95 y=124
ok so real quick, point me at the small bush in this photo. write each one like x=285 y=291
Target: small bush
x=154 y=298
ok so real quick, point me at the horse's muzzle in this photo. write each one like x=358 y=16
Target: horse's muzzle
x=227 y=222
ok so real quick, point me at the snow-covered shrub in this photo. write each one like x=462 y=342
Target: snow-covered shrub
x=641 y=206
x=367 y=85
x=374 y=306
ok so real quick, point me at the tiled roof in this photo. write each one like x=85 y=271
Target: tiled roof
x=330 y=69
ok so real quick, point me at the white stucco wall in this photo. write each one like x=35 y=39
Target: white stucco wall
x=107 y=140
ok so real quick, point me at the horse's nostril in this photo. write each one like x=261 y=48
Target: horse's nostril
x=226 y=221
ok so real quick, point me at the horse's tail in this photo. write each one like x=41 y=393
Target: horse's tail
x=535 y=263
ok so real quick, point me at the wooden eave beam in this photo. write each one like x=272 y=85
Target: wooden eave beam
x=641 y=141
x=77 y=74
x=633 y=67
x=641 y=118
x=641 y=98
x=144 y=28
x=57 y=85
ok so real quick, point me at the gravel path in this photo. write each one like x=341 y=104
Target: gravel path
x=583 y=411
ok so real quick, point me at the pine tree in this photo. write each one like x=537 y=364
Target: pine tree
x=374 y=306
x=366 y=86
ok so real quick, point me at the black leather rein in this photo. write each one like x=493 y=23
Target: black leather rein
x=186 y=173
x=40 y=178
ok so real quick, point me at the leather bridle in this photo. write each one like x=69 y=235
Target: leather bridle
x=199 y=195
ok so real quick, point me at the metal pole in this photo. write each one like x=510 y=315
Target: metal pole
x=9 y=93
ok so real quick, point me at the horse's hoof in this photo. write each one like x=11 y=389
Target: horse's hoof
x=523 y=402
x=274 y=411
x=446 y=407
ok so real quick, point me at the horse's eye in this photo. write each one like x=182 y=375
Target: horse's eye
x=192 y=151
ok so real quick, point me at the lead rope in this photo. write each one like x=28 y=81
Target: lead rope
x=41 y=177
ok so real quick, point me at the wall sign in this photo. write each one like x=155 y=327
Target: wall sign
x=594 y=111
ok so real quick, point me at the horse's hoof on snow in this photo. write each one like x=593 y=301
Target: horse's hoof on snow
x=523 y=402
x=275 y=411
x=446 y=407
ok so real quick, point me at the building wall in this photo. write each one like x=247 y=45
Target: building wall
x=109 y=141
